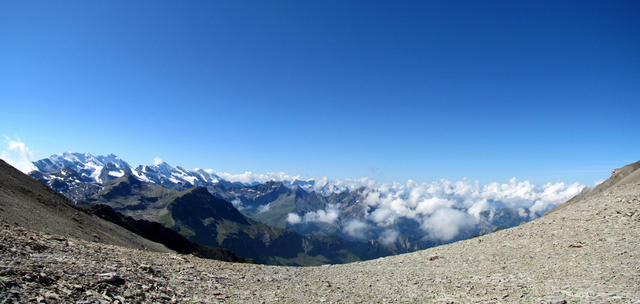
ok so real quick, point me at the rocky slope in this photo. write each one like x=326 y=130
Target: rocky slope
x=27 y=203
x=587 y=251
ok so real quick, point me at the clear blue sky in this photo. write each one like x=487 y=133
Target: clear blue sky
x=397 y=90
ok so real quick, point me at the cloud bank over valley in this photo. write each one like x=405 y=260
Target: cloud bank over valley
x=443 y=210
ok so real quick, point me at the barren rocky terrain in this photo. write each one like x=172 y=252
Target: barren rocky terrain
x=586 y=251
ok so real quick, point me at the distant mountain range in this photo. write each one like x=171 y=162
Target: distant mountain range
x=309 y=214
x=102 y=168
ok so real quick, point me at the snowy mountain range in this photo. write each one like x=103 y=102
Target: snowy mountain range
x=102 y=168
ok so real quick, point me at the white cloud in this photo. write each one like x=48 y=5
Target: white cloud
x=18 y=155
x=329 y=215
x=264 y=208
x=444 y=208
x=414 y=200
x=249 y=177
x=430 y=205
x=157 y=161
x=383 y=216
x=445 y=224
x=356 y=228
x=238 y=204
x=293 y=219
x=388 y=237
x=522 y=213
x=478 y=207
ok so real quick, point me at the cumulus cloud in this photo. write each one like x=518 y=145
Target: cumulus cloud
x=444 y=208
x=445 y=224
x=414 y=200
x=293 y=219
x=18 y=155
x=522 y=213
x=388 y=237
x=478 y=207
x=383 y=216
x=328 y=215
x=238 y=204
x=356 y=228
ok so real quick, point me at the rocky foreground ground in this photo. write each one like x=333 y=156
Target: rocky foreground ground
x=588 y=251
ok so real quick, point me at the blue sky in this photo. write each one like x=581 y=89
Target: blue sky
x=397 y=90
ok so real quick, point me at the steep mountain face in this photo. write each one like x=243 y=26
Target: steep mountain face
x=132 y=197
x=28 y=203
x=68 y=182
x=208 y=220
x=79 y=175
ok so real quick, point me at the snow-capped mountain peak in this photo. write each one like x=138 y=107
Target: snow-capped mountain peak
x=93 y=168
x=164 y=174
